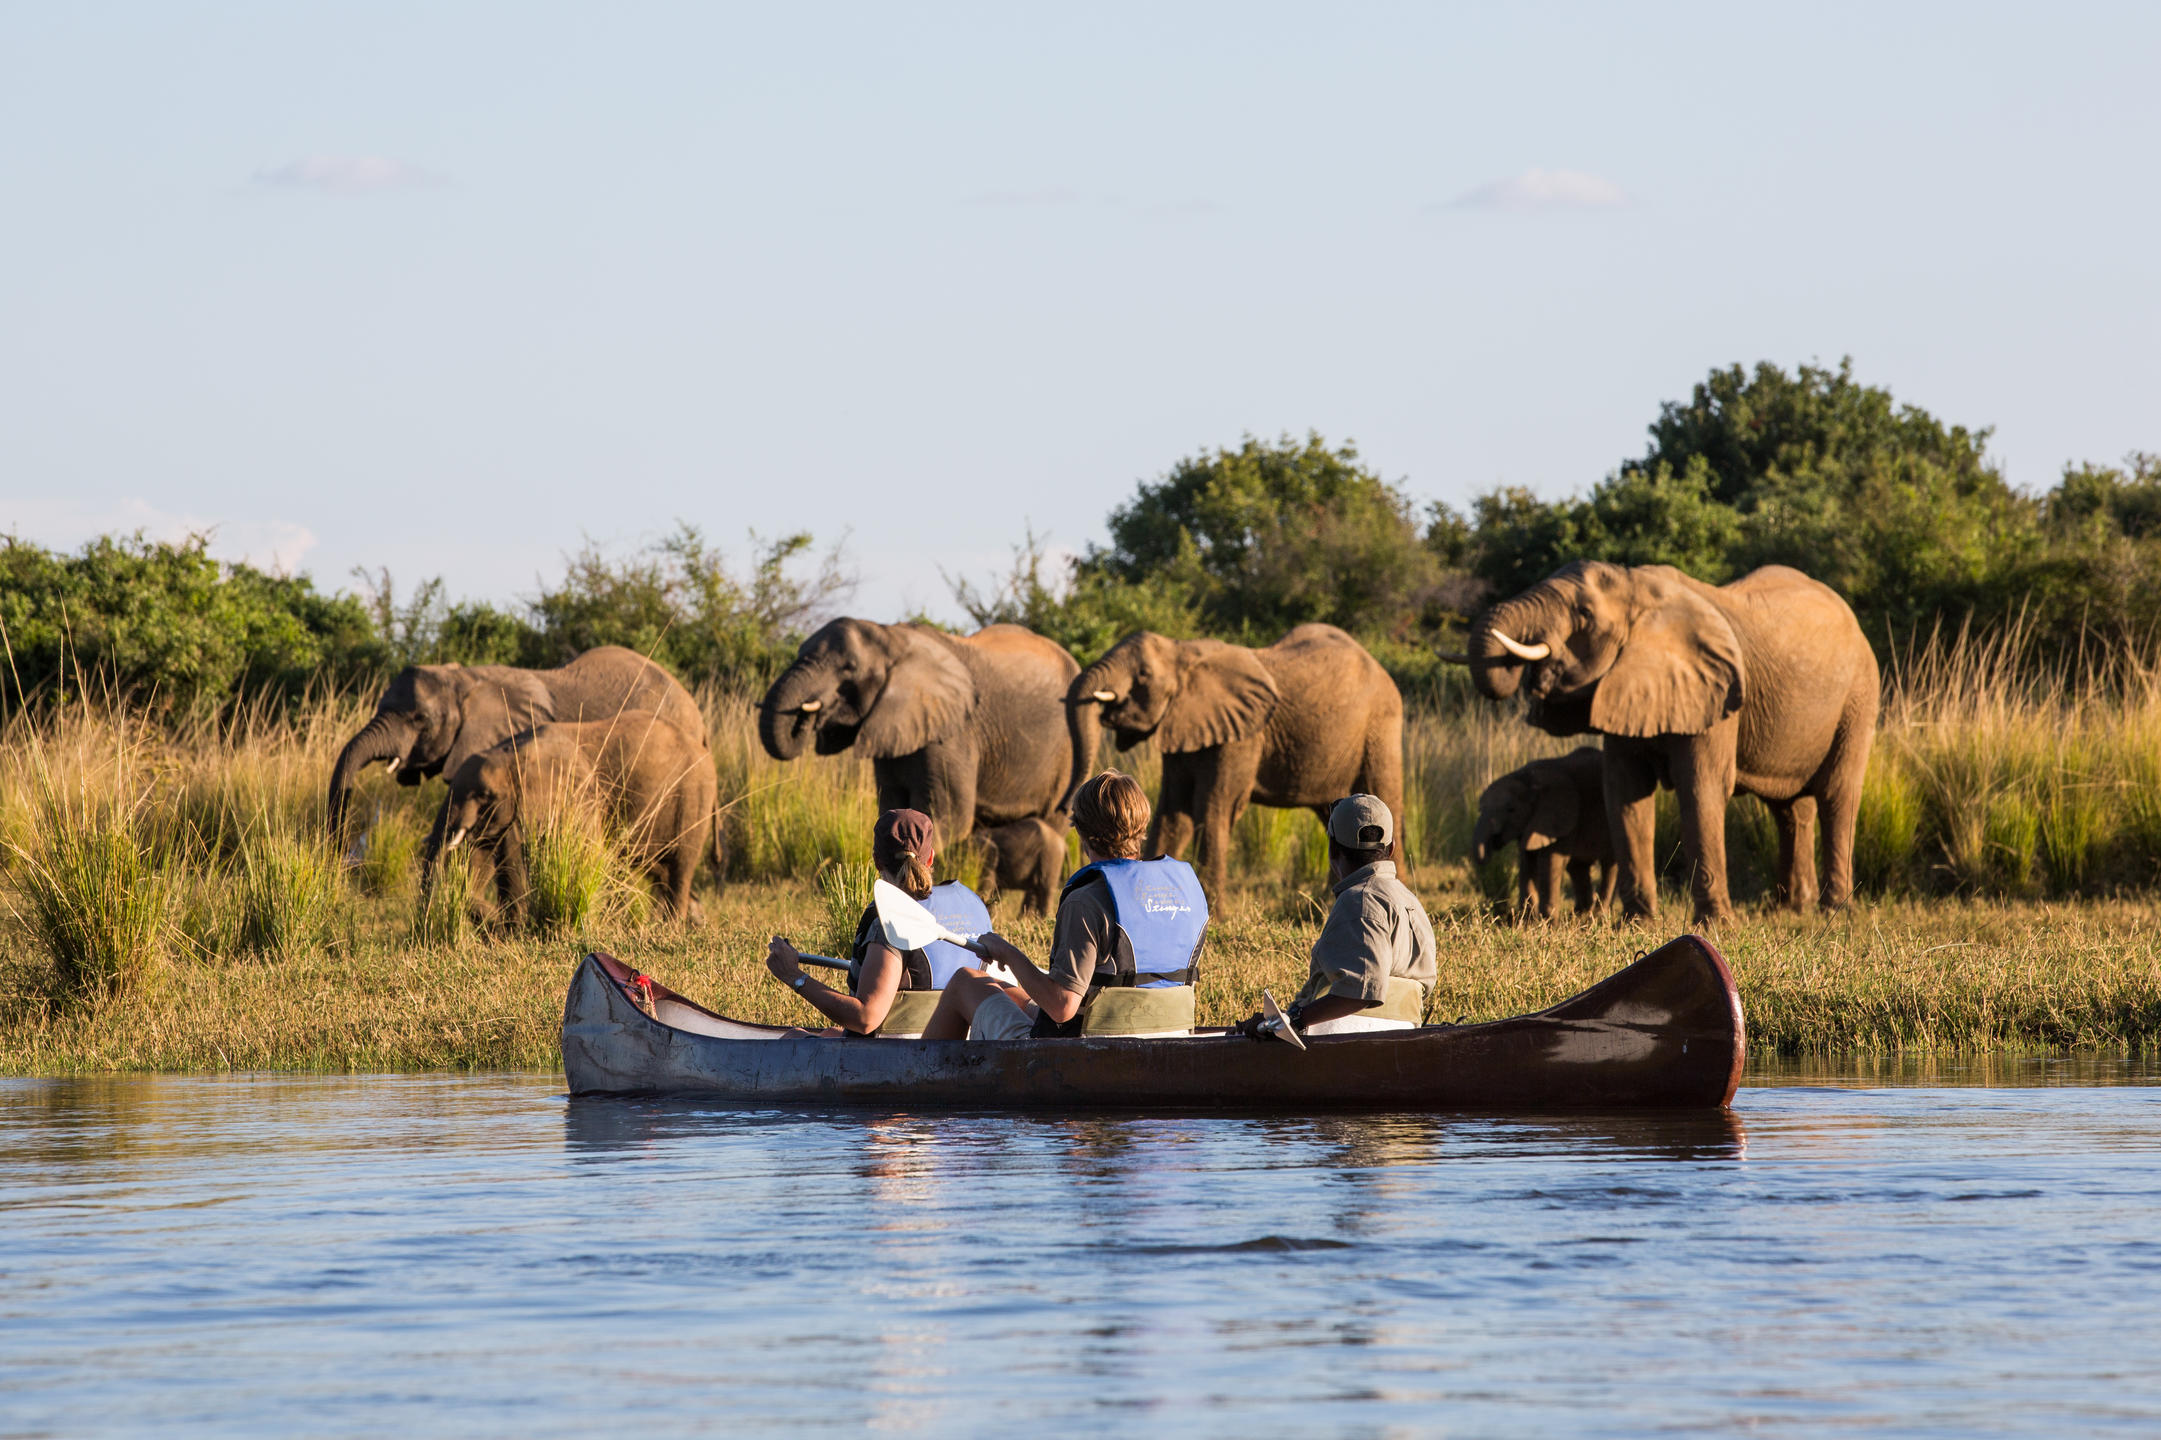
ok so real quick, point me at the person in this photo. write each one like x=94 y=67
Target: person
x=903 y=847
x=1373 y=965
x=1123 y=922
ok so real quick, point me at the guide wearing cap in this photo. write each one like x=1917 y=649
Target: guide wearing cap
x=1374 y=962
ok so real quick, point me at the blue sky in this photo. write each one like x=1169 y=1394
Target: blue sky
x=449 y=287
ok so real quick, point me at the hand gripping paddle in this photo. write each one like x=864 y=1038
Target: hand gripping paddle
x=1277 y=1023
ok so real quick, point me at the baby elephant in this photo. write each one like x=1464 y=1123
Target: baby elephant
x=1556 y=811
x=649 y=782
x=1028 y=856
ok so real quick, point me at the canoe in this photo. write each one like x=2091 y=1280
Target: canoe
x=1664 y=1033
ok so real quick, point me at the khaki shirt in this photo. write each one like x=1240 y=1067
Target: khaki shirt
x=1376 y=929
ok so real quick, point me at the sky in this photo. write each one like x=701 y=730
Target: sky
x=454 y=288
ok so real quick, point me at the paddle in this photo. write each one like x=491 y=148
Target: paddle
x=909 y=926
x=1277 y=1023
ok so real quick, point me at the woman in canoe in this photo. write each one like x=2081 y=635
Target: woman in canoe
x=1123 y=923
x=903 y=847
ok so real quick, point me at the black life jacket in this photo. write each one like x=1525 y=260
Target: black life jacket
x=915 y=965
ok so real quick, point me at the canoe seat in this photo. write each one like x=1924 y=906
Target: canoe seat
x=1406 y=1000
x=910 y=1013
x=1164 y=1010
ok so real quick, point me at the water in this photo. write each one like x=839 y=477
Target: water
x=414 y=1256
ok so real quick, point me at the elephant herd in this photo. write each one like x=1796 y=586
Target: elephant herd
x=1765 y=686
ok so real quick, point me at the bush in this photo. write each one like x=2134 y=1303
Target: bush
x=95 y=895
x=289 y=901
x=568 y=866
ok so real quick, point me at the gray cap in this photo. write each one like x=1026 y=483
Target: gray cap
x=1361 y=822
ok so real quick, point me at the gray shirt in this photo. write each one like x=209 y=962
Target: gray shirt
x=1377 y=929
x=1087 y=935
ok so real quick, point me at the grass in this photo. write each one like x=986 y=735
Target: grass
x=169 y=901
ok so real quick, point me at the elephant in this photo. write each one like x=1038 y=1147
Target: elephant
x=649 y=780
x=968 y=729
x=1308 y=720
x=1554 y=811
x=432 y=718
x=1025 y=855
x=1765 y=686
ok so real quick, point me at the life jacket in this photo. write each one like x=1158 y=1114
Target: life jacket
x=1163 y=911
x=926 y=970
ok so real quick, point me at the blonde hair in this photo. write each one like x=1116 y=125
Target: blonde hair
x=911 y=875
x=1111 y=813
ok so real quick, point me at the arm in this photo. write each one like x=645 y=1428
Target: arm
x=1052 y=998
x=861 y=1012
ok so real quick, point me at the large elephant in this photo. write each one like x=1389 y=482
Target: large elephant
x=968 y=729
x=1308 y=720
x=432 y=718
x=1765 y=686
x=650 y=782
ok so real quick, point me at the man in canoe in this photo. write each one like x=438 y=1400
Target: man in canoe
x=903 y=847
x=1122 y=951
x=1373 y=964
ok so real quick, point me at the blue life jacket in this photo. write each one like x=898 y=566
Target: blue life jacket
x=1160 y=906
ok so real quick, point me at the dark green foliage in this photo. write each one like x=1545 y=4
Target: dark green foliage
x=1268 y=536
x=167 y=628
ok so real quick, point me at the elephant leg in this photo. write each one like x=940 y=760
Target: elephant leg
x=431 y=850
x=1841 y=806
x=1702 y=769
x=1796 y=821
x=513 y=887
x=1380 y=773
x=1608 y=873
x=1632 y=815
x=952 y=770
x=1548 y=873
x=1171 y=829
x=1579 y=881
x=1222 y=790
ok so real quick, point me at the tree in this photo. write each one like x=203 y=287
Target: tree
x=1268 y=536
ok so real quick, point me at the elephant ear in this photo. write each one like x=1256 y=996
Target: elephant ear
x=492 y=713
x=1555 y=811
x=928 y=695
x=1224 y=693
x=1680 y=670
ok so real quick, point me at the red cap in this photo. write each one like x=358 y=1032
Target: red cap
x=901 y=834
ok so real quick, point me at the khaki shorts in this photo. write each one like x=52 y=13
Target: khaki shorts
x=998 y=1018
x=1356 y=1025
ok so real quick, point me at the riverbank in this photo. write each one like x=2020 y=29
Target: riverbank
x=1889 y=978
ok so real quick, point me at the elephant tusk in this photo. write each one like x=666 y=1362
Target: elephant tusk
x=1104 y=697
x=393 y=764
x=1520 y=650
x=457 y=838
x=811 y=707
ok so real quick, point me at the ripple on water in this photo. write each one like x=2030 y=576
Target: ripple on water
x=416 y=1255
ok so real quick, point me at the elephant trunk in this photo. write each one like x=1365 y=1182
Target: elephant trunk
x=1498 y=642
x=387 y=736
x=1084 y=720
x=784 y=725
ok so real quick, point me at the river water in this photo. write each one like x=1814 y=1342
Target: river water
x=1892 y=1249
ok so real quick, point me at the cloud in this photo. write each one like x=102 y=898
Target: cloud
x=346 y=174
x=274 y=545
x=1544 y=190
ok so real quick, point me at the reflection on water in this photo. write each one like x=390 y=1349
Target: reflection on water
x=417 y=1255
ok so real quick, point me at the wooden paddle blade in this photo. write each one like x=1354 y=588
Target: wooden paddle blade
x=1280 y=1022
